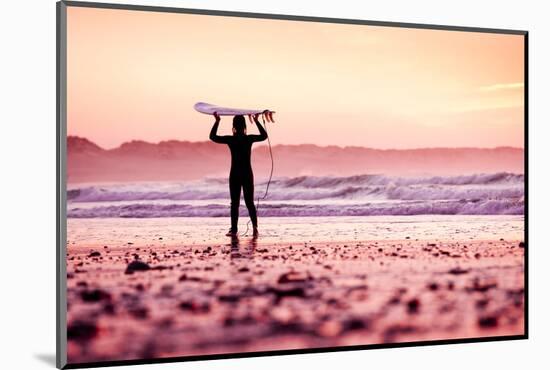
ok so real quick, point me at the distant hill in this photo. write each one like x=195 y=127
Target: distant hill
x=184 y=160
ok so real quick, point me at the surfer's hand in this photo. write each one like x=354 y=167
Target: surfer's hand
x=256 y=117
x=217 y=116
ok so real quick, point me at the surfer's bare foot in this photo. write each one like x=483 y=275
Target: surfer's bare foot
x=231 y=232
x=255 y=232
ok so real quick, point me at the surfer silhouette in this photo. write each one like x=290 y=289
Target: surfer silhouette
x=241 y=175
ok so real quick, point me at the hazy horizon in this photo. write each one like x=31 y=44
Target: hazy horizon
x=296 y=144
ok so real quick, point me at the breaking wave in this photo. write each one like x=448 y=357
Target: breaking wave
x=363 y=187
x=459 y=207
x=364 y=195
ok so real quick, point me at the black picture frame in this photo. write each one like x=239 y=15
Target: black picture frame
x=61 y=183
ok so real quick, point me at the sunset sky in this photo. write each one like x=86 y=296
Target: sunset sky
x=135 y=75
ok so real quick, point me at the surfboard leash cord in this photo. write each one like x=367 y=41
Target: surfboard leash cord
x=268 y=181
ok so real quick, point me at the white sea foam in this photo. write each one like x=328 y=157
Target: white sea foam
x=483 y=194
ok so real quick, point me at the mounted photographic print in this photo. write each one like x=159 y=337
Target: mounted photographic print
x=238 y=184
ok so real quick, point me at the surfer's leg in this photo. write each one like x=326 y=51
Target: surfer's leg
x=248 y=192
x=235 y=192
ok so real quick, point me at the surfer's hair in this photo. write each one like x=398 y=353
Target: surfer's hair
x=239 y=124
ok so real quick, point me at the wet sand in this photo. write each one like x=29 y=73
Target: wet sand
x=162 y=288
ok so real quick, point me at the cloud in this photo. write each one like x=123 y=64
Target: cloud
x=498 y=87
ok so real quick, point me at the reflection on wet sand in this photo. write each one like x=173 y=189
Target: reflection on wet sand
x=243 y=251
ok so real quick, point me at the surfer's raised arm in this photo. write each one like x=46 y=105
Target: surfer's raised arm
x=263 y=133
x=214 y=132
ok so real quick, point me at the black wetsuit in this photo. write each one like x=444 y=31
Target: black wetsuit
x=241 y=175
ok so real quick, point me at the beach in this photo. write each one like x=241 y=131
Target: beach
x=139 y=288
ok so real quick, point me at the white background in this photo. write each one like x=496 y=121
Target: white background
x=27 y=197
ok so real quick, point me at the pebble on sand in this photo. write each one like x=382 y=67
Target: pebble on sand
x=136 y=266
x=194 y=307
x=355 y=324
x=481 y=285
x=95 y=295
x=297 y=292
x=81 y=331
x=458 y=271
x=488 y=322
x=413 y=305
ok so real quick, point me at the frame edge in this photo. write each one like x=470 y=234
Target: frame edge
x=526 y=182
x=289 y=17
x=61 y=160
x=61 y=179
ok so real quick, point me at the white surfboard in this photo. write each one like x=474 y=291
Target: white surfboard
x=207 y=108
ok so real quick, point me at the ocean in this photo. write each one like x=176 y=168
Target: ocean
x=306 y=196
